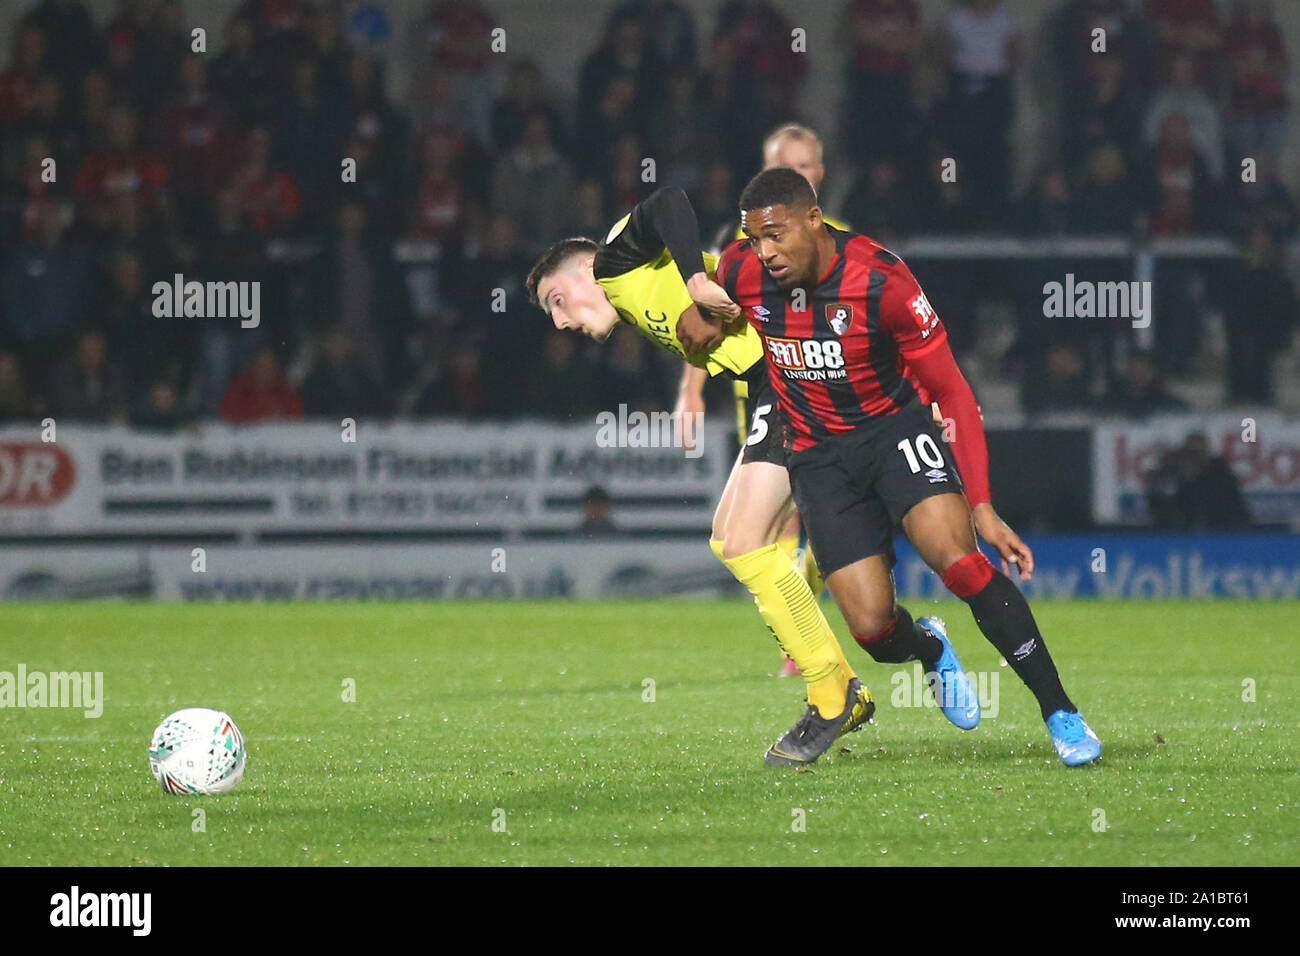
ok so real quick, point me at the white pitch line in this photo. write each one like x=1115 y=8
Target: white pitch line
x=118 y=740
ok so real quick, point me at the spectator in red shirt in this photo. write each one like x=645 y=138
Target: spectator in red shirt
x=121 y=167
x=1181 y=177
x=278 y=16
x=440 y=194
x=195 y=132
x=18 y=83
x=269 y=195
x=261 y=392
x=1176 y=215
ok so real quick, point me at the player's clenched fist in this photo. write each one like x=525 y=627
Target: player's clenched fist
x=696 y=333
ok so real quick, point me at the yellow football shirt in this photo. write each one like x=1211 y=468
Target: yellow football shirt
x=647 y=290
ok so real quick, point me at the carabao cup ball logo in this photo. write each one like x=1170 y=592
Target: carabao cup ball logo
x=197 y=750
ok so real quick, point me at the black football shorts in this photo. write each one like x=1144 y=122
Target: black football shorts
x=767 y=439
x=853 y=489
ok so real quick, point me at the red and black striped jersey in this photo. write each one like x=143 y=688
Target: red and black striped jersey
x=837 y=352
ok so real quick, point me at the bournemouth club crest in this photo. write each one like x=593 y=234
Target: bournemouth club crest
x=839 y=316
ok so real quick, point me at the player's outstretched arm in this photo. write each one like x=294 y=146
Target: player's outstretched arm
x=937 y=370
x=690 y=402
x=667 y=217
x=923 y=343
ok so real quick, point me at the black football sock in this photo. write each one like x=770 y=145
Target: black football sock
x=1003 y=614
x=902 y=641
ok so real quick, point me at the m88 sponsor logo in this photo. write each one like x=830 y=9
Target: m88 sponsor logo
x=808 y=359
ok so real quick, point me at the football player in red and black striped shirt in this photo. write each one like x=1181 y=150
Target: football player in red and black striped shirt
x=856 y=353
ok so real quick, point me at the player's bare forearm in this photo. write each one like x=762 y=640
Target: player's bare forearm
x=689 y=410
x=692 y=382
x=711 y=297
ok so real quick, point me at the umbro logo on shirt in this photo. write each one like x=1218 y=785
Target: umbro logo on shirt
x=1024 y=650
x=936 y=475
x=760 y=313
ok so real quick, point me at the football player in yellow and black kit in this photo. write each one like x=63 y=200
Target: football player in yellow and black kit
x=795 y=147
x=649 y=273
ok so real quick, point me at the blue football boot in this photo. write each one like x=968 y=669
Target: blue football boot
x=952 y=688
x=1073 y=738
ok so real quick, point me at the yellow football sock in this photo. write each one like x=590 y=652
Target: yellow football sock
x=790 y=545
x=812 y=573
x=805 y=563
x=796 y=620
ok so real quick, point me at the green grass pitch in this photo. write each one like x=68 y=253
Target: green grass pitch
x=534 y=717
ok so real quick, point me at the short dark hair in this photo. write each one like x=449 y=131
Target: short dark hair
x=552 y=259
x=778 y=187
